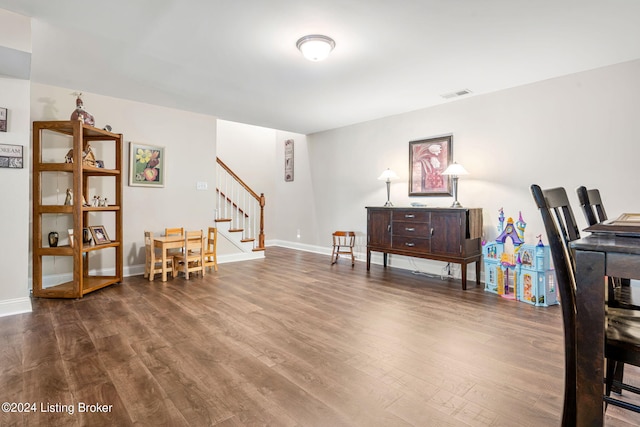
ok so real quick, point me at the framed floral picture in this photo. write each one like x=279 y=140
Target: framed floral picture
x=428 y=158
x=146 y=165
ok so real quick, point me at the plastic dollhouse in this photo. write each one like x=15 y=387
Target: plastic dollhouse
x=516 y=270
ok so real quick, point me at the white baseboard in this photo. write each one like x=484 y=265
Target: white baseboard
x=137 y=270
x=300 y=246
x=418 y=265
x=13 y=306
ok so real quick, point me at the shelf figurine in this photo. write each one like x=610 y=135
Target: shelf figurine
x=80 y=113
x=68 y=201
x=88 y=158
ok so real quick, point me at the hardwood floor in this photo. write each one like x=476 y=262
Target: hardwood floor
x=287 y=341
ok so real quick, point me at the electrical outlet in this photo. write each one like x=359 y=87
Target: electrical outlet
x=201 y=185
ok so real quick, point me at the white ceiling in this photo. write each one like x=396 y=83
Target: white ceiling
x=237 y=60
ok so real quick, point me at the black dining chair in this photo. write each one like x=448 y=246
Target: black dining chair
x=558 y=205
x=620 y=293
x=622 y=343
x=591 y=204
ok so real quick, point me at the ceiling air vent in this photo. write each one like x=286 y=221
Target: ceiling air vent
x=456 y=94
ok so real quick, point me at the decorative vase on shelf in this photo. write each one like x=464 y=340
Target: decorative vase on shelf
x=86 y=235
x=53 y=239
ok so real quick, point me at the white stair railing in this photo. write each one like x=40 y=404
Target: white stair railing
x=239 y=204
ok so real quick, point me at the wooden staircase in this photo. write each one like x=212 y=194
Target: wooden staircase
x=239 y=210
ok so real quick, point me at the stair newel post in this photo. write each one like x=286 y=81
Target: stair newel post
x=261 y=235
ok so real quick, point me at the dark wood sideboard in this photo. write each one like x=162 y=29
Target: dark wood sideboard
x=442 y=234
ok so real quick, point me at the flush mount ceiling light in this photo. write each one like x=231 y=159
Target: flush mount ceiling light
x=315 y=47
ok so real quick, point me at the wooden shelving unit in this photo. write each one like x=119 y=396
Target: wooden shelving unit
x=78 y=136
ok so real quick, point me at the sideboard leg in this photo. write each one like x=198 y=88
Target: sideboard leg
x=463 y=269
x=478 y=265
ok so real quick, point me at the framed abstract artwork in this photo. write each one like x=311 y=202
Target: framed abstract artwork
x=428 y=158
x=146 y=165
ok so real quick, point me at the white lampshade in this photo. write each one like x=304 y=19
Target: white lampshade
x=388 y=175
x=315 y=47
x=455 y=169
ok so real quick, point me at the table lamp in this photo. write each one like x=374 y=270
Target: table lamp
x=454 y=169
x=387 y=176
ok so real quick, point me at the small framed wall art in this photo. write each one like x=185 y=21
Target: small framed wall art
x=146 y=165
x=3 y=119
x=428 y=158
x=288 y=160
x=11 y=156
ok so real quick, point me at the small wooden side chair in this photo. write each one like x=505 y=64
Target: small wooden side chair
x=343 y=242
x=175 y=231
x=192 y=259
x=210 y=254
x=153 y=262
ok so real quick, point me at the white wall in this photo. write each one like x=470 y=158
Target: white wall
x=15 y=208
x=15 y=45
x=580 y=129
x=295 y=208
x=190 y=152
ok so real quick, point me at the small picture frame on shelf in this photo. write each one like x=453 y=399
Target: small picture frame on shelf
x=99 y=234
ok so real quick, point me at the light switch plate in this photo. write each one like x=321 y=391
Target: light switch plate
x=201 y=185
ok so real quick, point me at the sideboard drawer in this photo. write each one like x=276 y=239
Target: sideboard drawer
x=410 y=215
x=411 y=229
x=411 y=243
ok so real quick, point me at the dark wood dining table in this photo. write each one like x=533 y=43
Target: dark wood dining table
x=597 y=255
